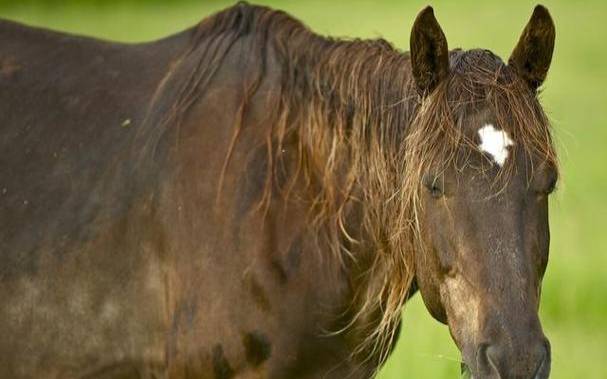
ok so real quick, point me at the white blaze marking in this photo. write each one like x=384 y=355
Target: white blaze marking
x=495 y=142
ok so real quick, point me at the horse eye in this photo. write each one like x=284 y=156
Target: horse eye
x=548 y=185
x=551 y=186
x=434 y=185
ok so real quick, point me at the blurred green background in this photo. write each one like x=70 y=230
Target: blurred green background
x=574 y=304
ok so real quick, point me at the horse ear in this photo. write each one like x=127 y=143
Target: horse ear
x=429 y=51
x=532 y=55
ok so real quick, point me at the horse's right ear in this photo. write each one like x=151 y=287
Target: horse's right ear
x=429 y=52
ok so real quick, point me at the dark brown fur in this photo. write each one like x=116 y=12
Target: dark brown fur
x=238 y=200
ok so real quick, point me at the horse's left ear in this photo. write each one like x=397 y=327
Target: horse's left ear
x=533 y=53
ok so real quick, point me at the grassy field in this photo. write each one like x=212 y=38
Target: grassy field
x=574 y=305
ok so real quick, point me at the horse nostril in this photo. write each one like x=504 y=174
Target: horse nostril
x=487 y=360
x=539 y=373
x=495 y=361
x=543 y=367
x=494 y=357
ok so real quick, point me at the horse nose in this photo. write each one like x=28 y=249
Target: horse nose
x=529 y=362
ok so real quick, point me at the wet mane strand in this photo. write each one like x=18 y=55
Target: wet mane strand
x=364 y=138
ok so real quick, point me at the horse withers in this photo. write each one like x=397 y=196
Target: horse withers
x=248 y=199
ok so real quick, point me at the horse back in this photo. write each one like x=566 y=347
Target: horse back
x=70 y=277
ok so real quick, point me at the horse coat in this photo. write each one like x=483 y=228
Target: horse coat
x=226 y=202
x=118 y=257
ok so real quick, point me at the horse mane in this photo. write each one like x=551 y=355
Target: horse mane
x=364 y=138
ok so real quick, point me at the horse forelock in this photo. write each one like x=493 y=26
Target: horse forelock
x=478 y=82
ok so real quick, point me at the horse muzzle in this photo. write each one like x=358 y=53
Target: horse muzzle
x=496 y=361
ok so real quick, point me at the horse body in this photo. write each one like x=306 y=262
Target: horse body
x=226 y=203
x=123 y=264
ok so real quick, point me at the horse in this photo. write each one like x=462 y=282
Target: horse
x=249 y=199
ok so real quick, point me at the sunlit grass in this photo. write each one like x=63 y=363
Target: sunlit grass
x=574 y=306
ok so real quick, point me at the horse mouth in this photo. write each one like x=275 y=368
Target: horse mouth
x=465 y=372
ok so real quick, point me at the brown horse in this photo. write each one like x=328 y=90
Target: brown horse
x=247 y=199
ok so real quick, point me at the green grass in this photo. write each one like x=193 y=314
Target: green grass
x=574 y=305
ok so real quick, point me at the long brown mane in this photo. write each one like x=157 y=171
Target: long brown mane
x=364 y=137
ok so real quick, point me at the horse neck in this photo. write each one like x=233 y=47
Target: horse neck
x=353 y=106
